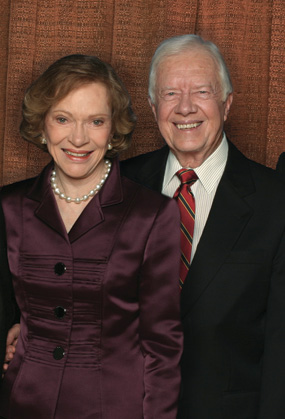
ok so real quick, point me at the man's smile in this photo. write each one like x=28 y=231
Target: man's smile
x=188 y=126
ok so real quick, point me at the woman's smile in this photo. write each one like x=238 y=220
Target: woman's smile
x=81 y=155
x=78 y=129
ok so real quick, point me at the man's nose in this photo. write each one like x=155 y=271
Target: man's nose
x=186 y=104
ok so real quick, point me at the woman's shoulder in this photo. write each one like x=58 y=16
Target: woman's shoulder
x=143 y=196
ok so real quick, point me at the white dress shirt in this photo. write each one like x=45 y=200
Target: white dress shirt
x=204 y=189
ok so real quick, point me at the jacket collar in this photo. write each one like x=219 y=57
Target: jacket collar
x=47 y=210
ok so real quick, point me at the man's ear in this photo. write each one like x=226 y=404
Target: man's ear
x=228 y=105
x=153 y=108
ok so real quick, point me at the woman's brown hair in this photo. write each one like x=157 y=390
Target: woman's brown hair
x=65 y=75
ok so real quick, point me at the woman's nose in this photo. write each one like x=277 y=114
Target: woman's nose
x=79 y=136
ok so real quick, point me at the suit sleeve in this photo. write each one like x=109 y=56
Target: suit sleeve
x=9 y=312
x=272 y=400
x=160 y=327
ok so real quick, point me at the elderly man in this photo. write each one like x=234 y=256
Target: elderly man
x=232 y=275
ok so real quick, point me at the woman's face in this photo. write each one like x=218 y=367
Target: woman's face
x=78 y=129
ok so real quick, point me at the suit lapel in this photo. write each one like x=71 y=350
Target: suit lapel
x=228 y=217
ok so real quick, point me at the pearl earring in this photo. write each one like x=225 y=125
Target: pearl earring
x=110 y=146
x=43 y=141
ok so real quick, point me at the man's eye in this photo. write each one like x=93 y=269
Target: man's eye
x=203 y=92
x=206 y=92
x=169 y=95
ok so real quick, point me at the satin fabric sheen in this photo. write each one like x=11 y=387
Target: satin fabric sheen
x=121 y=332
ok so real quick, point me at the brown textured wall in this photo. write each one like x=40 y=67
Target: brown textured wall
x=250 y=33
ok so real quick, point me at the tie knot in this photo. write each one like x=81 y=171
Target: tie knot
x=187 y=176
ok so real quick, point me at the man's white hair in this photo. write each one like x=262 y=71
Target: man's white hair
x=188 y=43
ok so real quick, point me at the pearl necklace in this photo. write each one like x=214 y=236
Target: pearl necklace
x=93 y=192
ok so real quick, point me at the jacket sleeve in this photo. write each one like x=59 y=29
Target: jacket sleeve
x=272 y=400
x=160 y=327
x=9 y=311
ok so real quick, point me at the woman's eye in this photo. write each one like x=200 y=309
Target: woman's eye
x=97 y=122
x=61 y=119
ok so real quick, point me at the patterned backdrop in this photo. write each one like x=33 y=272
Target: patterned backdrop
x=250 y=34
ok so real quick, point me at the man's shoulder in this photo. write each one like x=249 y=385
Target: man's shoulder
x=145 y=159
x=147 y=169
x=16 y=187
x=281 y=166
x=241 y=169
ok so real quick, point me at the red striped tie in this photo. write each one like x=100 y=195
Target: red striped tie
x=186 y=205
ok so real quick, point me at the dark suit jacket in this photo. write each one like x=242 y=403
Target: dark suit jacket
x=115 y=350
x=233 y=300
x=8 y=309
x=281 y=165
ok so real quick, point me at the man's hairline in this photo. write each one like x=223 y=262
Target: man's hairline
x=225 y=94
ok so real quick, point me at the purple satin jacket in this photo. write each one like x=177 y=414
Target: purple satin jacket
x=100 y=326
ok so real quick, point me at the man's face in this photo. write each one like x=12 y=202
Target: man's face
x=189 y=108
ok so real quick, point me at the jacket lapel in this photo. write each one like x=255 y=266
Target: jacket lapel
x=43 y=200
x=93 y=214
x=228 y=217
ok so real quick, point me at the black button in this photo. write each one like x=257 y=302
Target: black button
x=58 y=353
x=59 y=312
x=59 y=268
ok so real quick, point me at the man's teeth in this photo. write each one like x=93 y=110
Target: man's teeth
x=76 y=154
x=188 y=126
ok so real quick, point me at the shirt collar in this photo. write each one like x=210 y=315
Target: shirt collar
x=210 y=171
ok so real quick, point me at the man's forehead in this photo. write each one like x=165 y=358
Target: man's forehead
x=187 y=62
x=191 y=55
x=199 y=69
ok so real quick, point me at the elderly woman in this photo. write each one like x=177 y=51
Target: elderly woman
x=94 y=259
